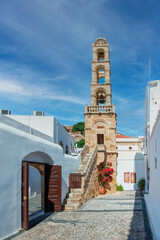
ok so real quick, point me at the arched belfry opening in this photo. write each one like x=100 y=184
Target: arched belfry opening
x=101 y=97
x=101 y=109
x=101 y=75
x=101 y=55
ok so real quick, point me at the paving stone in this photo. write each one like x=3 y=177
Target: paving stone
x=117 y=217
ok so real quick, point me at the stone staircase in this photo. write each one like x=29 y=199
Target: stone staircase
x=76 y=196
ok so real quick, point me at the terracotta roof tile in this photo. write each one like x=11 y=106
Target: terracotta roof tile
x=122 y=136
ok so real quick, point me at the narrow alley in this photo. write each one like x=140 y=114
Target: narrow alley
x=120 y=216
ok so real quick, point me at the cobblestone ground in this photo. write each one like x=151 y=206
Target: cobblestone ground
x=35 y=204
x=120 y=216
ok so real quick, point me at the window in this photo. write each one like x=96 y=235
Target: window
x=100 y=138
x=67 y=149
x=156 y=145
x=133 y=177
x=155 y=160
x=126 y=177
x=61 y=144
x=130 y=148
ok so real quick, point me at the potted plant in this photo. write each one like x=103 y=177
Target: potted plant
x=104 y=176
x=141 y=184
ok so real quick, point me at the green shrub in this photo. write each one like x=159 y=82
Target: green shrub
x=119 y=187
x=78 y=127
x=81 y=143
x=141 y=184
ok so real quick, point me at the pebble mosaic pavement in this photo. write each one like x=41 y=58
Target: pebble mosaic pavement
x=120 y=216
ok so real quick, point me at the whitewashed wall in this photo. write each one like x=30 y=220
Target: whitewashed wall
x=130 y=166
x=43 y=124
x=14 y=146
x=129 y=160
x=153 y=198
x=47 y=125
x=60 y=134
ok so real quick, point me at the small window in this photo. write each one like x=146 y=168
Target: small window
x=100 y=138
x=155 y=160
x=130 y=148
x=133 y=177
x=126 y=177
x=156 y=145
x=61 y=144
x=67 y=150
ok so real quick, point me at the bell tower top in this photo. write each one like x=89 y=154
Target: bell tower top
x=99 y=42
x=101 y=84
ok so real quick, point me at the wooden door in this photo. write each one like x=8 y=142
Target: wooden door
x=25 y=206
x=75 y=180
x=52 y=188
x=100 y=138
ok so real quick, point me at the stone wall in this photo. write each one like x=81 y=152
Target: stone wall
x=91 y=186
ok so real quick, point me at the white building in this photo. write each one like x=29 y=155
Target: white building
x=152 y=155
x=25 y=153
x=130 y=161
x=49 y=126
x=153 y=197
x=152 y=105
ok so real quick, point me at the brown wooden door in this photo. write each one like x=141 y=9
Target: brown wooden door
x=75 y=180
x=25 y=206
x=52 y=188
x=100 y=139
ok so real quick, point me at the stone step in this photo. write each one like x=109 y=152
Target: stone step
x=76 y=190
x=73 y=200
x=75 y=195
x=71 y=206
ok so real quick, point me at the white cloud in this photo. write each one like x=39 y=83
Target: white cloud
x=36 y=92
x=11 y=87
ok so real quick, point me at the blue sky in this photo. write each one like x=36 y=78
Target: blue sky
x=46 y=54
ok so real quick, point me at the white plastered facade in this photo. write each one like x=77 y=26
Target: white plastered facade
x=153 y=196
x=16 y=142
x=130 y=160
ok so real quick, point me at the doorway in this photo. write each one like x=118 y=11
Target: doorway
x=41 y=190
x=36 y=189
x=100 y=138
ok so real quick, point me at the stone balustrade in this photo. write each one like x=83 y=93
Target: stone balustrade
x=100 y=109
x=87 y=172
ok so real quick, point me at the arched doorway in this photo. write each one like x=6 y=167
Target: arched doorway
x=67 y=149
x=41 y=187
x=61 y=144
x=36 y=188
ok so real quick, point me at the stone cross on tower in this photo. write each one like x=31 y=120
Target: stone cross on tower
x=100 y=117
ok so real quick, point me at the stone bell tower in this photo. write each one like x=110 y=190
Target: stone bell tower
x=100 y=116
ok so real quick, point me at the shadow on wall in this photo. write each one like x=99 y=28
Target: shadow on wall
x=140 y=227
x=139 y=169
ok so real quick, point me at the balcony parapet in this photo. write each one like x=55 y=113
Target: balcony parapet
x=100 y=109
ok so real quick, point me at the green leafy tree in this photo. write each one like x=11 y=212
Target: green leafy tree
x=80 y=143
x=78 y=127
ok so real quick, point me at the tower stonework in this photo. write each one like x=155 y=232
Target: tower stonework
x=100 y=116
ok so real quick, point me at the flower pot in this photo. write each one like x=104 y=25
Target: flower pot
x=102 y=190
